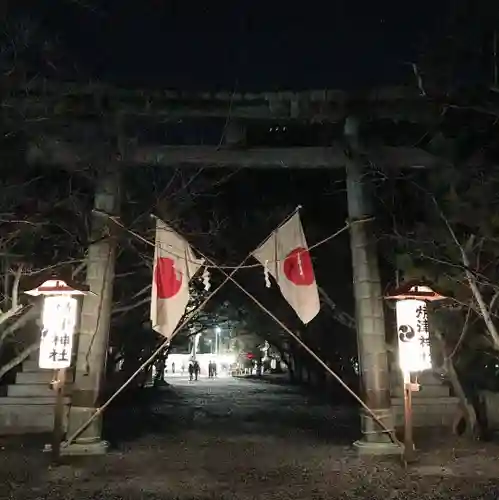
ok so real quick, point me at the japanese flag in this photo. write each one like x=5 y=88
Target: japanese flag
x=285 y=254
x=174 y=266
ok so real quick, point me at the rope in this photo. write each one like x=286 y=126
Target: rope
x=99 y=312
x=153 y=356
x=149 y=360
x=248 y=266
x=384 y=428
x=228 y=277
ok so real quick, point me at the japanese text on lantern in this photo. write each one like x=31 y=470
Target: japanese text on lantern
x=413 y=336
x=59 y=322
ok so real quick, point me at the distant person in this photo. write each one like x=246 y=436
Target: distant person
x=182 y=368
x=173 y=368
x=210 y=369
x=191 y=371
x=197 y=369
x=160 y=371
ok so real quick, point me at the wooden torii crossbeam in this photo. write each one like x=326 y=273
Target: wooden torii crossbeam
x=62 y=120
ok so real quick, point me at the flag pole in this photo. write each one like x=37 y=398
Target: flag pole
x=149 y=360
x=228 y=277
x=390 y=433
x=155 y=217
x=286 y=219
x=153 y=356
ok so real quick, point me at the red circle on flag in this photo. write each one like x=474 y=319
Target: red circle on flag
x=299 y=275
x=168 y=281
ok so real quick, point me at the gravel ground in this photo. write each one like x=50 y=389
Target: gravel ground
x=242 y=439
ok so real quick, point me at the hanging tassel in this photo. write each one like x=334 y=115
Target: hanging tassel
x=206 y=279
x=266 y=274
x=300 y=266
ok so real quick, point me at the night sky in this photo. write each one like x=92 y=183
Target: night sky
x=251 y=45
x=242 y=45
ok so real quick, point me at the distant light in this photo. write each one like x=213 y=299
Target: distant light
x=218 y=329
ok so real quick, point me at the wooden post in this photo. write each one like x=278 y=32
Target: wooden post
x=408 y=429
x=58 y=431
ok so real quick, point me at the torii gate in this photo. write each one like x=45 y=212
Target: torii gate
x=115 y=112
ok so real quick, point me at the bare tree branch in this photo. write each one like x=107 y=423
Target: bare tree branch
x=4 y=317
x=31 y=313
x=15 y=287
x=463 y=334
x=130 y=307
x=471 y=279
x=22 y=356
x=341 y=316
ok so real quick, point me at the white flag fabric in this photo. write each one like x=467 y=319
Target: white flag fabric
x=174 y=266
x=285 y=254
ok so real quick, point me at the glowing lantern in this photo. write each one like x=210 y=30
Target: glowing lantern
x=413 y=336
x=412 y=326
x=414 y=345
x=59 y=319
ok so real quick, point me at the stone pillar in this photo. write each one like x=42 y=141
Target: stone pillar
x=371 y=341
x=95 y=317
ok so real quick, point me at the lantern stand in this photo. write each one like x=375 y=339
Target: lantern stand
x=412 y=330
x=60 y=317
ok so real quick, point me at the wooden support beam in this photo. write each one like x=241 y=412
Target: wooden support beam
x=44 y=100
x=311 y=157
x=57 y=152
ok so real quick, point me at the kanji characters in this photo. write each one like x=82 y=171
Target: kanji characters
x=59 y=319
x=413 y=335
x=422 y=319
x=65 y=340
x=63 y=355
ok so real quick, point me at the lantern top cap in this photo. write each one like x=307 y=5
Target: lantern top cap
x=57 y=287
x=415 y=290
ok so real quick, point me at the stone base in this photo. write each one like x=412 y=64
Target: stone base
x=377 y=448
x=79 y=449
x=427 y=411
x=25 y=415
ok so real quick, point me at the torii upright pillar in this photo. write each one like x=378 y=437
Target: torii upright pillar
x=95 y=318
x=371 y=339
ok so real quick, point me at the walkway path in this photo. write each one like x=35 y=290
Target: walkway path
x=241 y=439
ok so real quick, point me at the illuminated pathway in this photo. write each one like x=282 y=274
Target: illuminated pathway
x=229 y=405
x=234 y=439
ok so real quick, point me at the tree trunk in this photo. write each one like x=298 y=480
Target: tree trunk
x=467 y=411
